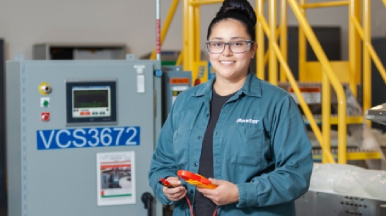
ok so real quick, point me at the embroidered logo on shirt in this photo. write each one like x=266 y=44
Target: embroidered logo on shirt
x=252 y=121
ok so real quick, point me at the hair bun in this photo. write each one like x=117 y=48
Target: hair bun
x=240 y=7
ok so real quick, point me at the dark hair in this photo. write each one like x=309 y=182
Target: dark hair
x=240 y=10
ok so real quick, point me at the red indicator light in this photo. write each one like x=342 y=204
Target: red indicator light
x=197 y=82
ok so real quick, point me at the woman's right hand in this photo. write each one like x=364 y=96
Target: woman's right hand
x=176 y=193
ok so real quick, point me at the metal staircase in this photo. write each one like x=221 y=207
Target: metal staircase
x=344 y=76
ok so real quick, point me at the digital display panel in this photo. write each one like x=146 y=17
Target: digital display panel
x=92 y=101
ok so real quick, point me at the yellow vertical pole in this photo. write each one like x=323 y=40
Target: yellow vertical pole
x=272 y=56
x=326 y=113
x=354 y=47
x=366 y=58
x=260 y=41
x=185 y=15
x=197 y=41
x=302 y=44
x=283 y=37
x=191 y=38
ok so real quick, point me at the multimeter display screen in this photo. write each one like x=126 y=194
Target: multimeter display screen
x=90 y=101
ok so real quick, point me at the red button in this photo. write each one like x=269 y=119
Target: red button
x=45 y=116
x=84 y=113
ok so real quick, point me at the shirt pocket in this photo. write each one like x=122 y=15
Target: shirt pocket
x=181 y=139
x=244 y=145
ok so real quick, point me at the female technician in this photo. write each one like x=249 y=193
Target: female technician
x=244 y=133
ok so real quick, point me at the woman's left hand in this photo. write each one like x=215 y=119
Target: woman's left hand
x=225 y=193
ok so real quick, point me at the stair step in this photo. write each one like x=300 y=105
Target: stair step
x=352 y=154
x=334 y=119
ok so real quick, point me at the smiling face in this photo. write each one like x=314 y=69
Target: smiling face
x=231 y=66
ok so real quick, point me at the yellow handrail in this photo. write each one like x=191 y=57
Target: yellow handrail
x=166 y=26
x=342 y=130
x=376 y=60
x=370 y=48
x=325 y=4
x=384 y=2
x=204 y=2
x=292 y=81
x=358 y=27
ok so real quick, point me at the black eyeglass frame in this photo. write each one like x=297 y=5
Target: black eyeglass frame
x=249 y=43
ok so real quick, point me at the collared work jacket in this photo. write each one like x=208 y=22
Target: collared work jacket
x=259 y=143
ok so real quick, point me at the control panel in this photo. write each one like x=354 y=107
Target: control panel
x=80 y=136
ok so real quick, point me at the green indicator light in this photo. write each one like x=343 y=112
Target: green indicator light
x=45 y=103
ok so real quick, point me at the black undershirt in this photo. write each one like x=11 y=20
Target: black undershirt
x=202 y=205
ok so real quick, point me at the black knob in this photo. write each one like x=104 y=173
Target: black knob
x=147 y=199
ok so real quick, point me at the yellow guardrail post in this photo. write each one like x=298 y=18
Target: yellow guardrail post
x=272 y=57
x=185 y=15
x=326 y=113
x=260 y=42
x=354 y=46
x=342 y=130
x=191 y=37
x=283 y=37
x=366 y=59
x=197 y=36
x=302 y=44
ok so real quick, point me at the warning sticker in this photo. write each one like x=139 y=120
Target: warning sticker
x=115 y=178
x=179 y=81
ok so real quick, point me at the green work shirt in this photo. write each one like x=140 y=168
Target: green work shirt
x=259 y=143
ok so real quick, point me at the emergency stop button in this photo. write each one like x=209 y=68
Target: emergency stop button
x=45 y=116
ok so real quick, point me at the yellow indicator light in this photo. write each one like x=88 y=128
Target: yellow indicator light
x=45 y=88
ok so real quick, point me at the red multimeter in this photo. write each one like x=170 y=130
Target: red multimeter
x=195 y=179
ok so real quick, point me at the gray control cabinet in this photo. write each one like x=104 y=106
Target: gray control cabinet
x=174 y=82
x=52 y=164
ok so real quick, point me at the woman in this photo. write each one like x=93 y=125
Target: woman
x=245 y=134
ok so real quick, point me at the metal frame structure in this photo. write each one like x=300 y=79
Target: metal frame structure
x=277 y=53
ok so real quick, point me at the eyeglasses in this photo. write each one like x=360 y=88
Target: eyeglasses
x=217 y=47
